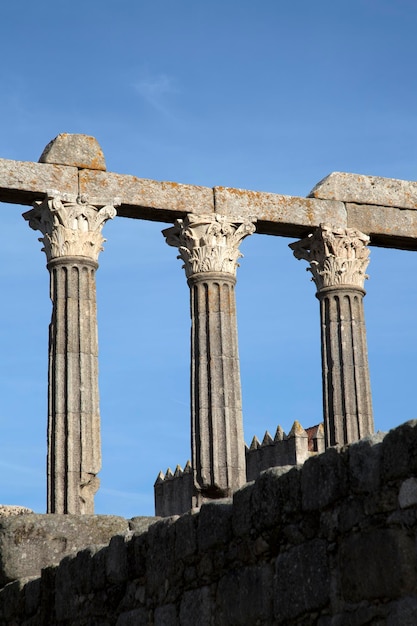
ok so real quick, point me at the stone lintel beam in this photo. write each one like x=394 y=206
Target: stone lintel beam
x=142 y=198
x=23 y=182
x=389 y=218
x=370 y=190
x=277 y=214
x=387 y=227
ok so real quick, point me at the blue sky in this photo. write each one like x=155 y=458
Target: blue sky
x=267 y=95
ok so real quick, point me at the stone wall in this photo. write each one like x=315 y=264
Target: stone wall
x=330 y=543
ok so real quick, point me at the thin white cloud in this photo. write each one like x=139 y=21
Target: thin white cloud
x=155 y=90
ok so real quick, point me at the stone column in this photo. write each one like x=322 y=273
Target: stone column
x=338 y=259
x=208 y=245
x=72 y=240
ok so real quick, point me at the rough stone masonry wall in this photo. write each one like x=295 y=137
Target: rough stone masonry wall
x=330 y=543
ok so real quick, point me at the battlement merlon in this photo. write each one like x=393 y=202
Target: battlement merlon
x=383 y=208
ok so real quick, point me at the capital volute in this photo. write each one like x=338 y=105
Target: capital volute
x=337 y=256
x=209 y=243
x=71 y=225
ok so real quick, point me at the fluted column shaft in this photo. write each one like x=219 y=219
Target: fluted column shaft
x=338 y=259
x=72 y=242
x=218 y=450
x=209 y=247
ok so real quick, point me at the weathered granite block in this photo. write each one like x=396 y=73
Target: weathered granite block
x=403 y=612
x=80 y=151
x=166 y=615
x=399 y=451
x=302 y=581
x=137 y=617
x=272 y=209
x=214 y=524
x=244 y=597
x=365 y=464
x=348 y=187
x=377 y=564
x=408 y=493
x=389 y=227
x=116 y=560
x=136 y=555
x=276 y=491
x=197 y=607
x=32 y=596
x=242 y=510
x=30 y=542
x=324 y=480
x=162 y=570
x=186 y=536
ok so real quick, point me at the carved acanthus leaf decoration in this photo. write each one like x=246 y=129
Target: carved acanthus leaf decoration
x=337 y=256
x=209 y=243
x=71 y=226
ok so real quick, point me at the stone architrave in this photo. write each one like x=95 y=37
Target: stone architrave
x=208 y=245
x=338 y=259
x=72 y=240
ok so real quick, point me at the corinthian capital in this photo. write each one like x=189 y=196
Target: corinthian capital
x=71 y=226
x=208 y=243
x=337 y=256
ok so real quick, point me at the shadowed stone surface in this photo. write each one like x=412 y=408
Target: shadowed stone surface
x=30 y=542
x=347 y=558
x=80 y=151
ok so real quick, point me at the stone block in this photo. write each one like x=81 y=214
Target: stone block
x=81 y=151
x=142 y=198
x=23 y=182
x=136 y=555
x=377 y=564
x=31 y=542
x=302 y=581
x=276 y=492
x=6 y=510
x=278 y=214
x=186 y=536
x=214 y=524
x=162 y=571
x=408 y=493
x=365 y=464
x=403 y=612
x=399 y=452
x=166 y=615
x=197 y=607
x=137 y=617
x=347 y=187
x=242 y=510
x=32 y=596
x=324 y=480
x=244 y=597
x=116 y=560
x=387 y=226
x=12 y=602
x=140 y=525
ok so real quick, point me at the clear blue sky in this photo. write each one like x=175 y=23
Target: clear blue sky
x=267 y=95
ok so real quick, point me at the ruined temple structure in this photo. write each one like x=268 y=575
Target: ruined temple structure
x=317 y=526
x=72 y=197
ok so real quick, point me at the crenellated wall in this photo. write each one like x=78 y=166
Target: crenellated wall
x=332 y=542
